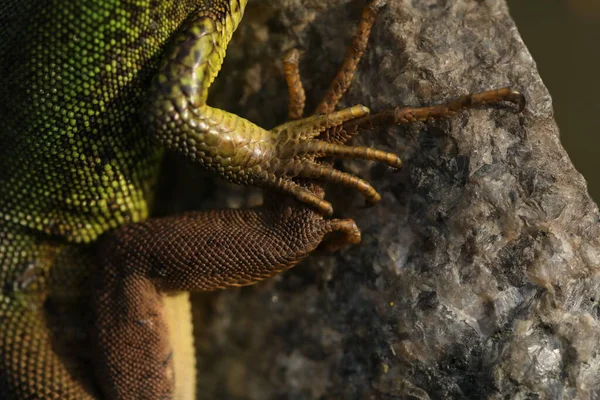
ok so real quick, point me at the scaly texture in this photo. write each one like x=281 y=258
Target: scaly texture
x=78 y=115
x=145 y=260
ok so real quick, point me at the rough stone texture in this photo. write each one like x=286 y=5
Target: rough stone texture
x=478 y=272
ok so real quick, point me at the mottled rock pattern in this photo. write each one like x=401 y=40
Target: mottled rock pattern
x=478 y=272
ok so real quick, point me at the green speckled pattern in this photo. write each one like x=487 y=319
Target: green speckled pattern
x=74 y=163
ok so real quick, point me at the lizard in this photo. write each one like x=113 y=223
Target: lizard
x=88 y=89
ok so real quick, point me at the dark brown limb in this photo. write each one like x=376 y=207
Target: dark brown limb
x=197 y=251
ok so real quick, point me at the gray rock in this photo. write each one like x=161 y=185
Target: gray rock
x=478 y=272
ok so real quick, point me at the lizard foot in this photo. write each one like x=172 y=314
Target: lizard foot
x=298 y=151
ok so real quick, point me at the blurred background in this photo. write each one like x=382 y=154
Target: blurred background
x=564 y=39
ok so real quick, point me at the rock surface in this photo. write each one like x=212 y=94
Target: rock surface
x=478 y=272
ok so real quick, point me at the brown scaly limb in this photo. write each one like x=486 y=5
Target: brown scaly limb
x=223 y=248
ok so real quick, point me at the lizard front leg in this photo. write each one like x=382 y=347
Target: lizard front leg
x=238 y=150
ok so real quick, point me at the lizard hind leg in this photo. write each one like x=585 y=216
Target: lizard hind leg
x=213 y=249
x=198 y=251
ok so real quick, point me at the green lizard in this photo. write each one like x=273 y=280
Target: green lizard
x=87 y=88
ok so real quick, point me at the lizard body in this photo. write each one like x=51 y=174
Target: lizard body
x=75 y=163
x=79 y=160
x=87 y=88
